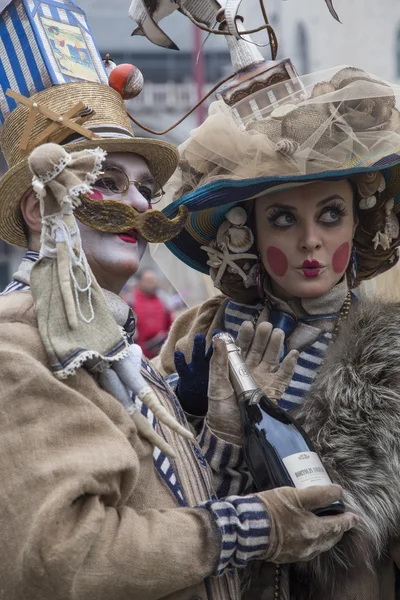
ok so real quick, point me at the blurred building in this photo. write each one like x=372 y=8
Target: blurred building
x=367 y=37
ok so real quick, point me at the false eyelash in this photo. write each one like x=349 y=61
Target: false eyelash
x=341 y=210
x=277 y=212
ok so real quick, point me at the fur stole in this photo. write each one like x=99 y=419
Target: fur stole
x=352 y=414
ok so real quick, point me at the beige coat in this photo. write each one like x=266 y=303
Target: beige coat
x=84 y=514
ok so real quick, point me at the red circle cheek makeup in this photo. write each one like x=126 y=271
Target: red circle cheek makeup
x=277 y=261
x=340 y=258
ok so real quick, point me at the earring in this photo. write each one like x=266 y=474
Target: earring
x=260 y=278
x=353 y=272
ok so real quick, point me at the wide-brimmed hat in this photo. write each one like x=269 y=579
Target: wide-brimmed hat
x=344 y=124
x=108 y=119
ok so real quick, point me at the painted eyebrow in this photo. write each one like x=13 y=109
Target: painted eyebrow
x=293 y=208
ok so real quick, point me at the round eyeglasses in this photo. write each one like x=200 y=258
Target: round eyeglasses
x=114 y=180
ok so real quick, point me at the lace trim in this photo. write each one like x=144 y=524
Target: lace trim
x=88 y=355
x=86 y=186
x=58 y=168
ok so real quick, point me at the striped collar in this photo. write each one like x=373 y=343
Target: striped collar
x=20 y=281
x=31 y=255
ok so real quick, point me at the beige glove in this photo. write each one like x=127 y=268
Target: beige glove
x=223 y=415
x=296 y=533
x=261 y=350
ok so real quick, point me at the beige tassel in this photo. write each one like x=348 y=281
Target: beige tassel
x=128 y=370
x=149 y=398
x=110 y=381
x=146 y=430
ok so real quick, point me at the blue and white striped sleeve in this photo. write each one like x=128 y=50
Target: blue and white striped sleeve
x=172 y=381
x=244 y=525
x=230 y=473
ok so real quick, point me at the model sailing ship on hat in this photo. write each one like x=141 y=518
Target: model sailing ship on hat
x=293 y=191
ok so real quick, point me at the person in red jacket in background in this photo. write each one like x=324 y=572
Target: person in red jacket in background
x=153 y=315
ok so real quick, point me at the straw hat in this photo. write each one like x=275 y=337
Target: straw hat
x=108 y=120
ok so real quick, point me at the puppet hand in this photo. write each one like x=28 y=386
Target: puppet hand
x=261 y=351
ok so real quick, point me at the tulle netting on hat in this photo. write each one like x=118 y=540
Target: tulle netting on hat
x=343 y=118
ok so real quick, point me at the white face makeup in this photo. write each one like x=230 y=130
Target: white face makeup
x=113 y=258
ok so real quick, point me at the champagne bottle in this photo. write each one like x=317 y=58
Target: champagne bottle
x=277 y=450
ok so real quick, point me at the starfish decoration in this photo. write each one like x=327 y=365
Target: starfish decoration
x=223 y=259
x=57 y=120
x=381 y=239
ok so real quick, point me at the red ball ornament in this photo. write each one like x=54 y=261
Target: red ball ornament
x=127 y=80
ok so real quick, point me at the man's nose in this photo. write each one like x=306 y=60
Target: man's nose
x=135 y=199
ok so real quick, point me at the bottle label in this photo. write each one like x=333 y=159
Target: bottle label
x=306 y=469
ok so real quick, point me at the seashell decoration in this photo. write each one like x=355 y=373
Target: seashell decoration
x=236 y=216
x=382 y=185
x=322 y=88
x=127 y=80
x=239 y=239
x=367 y=203
x=392 y=228
x=251 y=279
x=370 y=183
x=286 y=147
x=381 y=239
x=389 y=206
x=214 y=262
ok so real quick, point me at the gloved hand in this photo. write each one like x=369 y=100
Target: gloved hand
x=261 y=350
x=296 y=533
x=193 y=377
x=223 y=415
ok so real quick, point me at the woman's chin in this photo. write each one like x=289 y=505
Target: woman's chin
x=313 y=288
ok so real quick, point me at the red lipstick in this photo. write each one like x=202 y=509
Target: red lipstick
x=130 y=237
x=311 y=268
